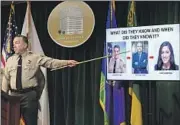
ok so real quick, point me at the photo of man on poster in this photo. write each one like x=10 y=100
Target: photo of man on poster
x=139 y=59
x=116 y=62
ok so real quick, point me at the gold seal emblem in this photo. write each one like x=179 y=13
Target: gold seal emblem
x=71 y=23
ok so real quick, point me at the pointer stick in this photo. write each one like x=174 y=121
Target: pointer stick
x=98 y=58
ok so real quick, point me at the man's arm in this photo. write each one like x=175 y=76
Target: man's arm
x=122 y=66
x=6 y=80
x=143 y=63
x=110 y=66
x=52 y=63
x=41 y=83
x=134 y=61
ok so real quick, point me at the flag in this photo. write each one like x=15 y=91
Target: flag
x=111 y=97
x=131 y=19
x=134 y=90
x=10 y=33
x=29 y=30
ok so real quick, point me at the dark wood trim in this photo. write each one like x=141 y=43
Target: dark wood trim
x=10 y=109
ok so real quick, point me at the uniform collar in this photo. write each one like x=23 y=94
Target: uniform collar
x=24 y=54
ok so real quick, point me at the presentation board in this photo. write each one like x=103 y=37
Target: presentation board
x=143 y=53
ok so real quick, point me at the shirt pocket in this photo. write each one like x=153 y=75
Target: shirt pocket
x=29 y=71
x=12 y=71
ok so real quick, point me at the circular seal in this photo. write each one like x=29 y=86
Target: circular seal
x=71 y=23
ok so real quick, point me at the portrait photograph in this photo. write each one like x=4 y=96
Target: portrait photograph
x=140 y=57
x=166 y=59
x=117 y=59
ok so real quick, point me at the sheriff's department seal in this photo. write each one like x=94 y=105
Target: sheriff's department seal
x=71 y=23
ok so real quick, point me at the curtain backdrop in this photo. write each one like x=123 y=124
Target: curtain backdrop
x=74 y=92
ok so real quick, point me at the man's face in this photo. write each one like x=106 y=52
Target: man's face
x=139 y=47
x=116 y=53
x=19 y=45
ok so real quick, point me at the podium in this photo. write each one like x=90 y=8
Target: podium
x=10 y=109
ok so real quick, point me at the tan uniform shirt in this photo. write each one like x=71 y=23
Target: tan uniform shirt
x=119 y=68
x=30 y=69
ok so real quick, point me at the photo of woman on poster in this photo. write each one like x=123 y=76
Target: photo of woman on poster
x=166 y=60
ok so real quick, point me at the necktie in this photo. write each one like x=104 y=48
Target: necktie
x=139 y=57
x=19 y=73
x=114 y=69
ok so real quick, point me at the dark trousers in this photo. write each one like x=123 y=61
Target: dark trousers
x=28 y=106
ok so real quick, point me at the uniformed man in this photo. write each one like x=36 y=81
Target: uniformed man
x=116 y=64
x=22 y=76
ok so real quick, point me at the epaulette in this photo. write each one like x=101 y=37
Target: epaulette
x=12 y=55
x=30 y=52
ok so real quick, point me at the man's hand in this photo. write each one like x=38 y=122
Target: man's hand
x=136 y=63
x=72 y=63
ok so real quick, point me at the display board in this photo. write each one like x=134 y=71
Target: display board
x=143 y=53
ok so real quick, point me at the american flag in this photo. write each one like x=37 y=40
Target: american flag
x=11 y=31
x=109 y=49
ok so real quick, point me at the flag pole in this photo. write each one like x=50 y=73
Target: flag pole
x=28 y=23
